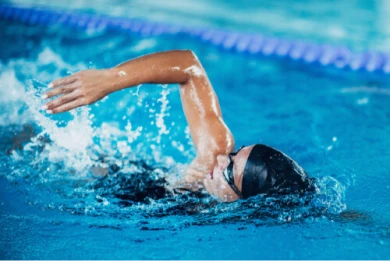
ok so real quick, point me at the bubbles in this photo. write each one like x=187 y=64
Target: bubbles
x=330 y=195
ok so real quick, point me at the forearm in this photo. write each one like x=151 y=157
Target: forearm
x=158 y=68
x=89 y=86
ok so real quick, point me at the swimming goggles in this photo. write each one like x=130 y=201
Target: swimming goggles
x=228 y=173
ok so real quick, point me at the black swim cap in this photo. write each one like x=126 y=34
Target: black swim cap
x=271 y=171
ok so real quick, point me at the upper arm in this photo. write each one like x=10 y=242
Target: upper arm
x=210 y=134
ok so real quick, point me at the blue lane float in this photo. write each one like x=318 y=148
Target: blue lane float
x=252 y=44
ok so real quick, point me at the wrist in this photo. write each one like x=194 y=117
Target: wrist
x=115 y=79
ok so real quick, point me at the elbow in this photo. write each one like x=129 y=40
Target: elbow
x=190 y=55
x=188 y=58
x=193 y=67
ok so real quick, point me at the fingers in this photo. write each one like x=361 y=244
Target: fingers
x=63 y=81
x=207 y=183
x=70 y=97
x=67 y=106
x=61 y=100
x=60 y=90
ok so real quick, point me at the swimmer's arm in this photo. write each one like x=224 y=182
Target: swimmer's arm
x=200 y=103
x=89 y=86
x=209 y=132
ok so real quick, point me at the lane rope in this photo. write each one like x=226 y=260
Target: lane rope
x=248 y=43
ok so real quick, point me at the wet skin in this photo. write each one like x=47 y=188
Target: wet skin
x=211 y=136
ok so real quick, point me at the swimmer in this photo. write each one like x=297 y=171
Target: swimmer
x=228 y=175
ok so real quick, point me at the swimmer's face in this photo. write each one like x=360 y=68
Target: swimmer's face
x=217 y=185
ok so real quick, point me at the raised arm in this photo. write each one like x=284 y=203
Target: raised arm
x=86 y=87
x=210 y=134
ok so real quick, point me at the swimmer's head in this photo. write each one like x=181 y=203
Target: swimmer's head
x=217 y=183
x=254 y=170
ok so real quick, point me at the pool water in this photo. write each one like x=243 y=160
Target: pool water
x=335 y=123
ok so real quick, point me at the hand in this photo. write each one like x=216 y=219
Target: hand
x=77 y=90
x=218 y=186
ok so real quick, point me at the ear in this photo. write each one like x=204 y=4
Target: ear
x=223 y=161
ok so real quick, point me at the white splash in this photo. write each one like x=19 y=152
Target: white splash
x=11 y=98
x=162 y=128
x=77 y=144
x=132 y=135
x=13 y=89
x=69 y=143
x=330 y=194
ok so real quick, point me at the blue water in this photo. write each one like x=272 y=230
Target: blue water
x=334 y=123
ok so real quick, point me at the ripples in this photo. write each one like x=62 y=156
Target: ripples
x=138 y=192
